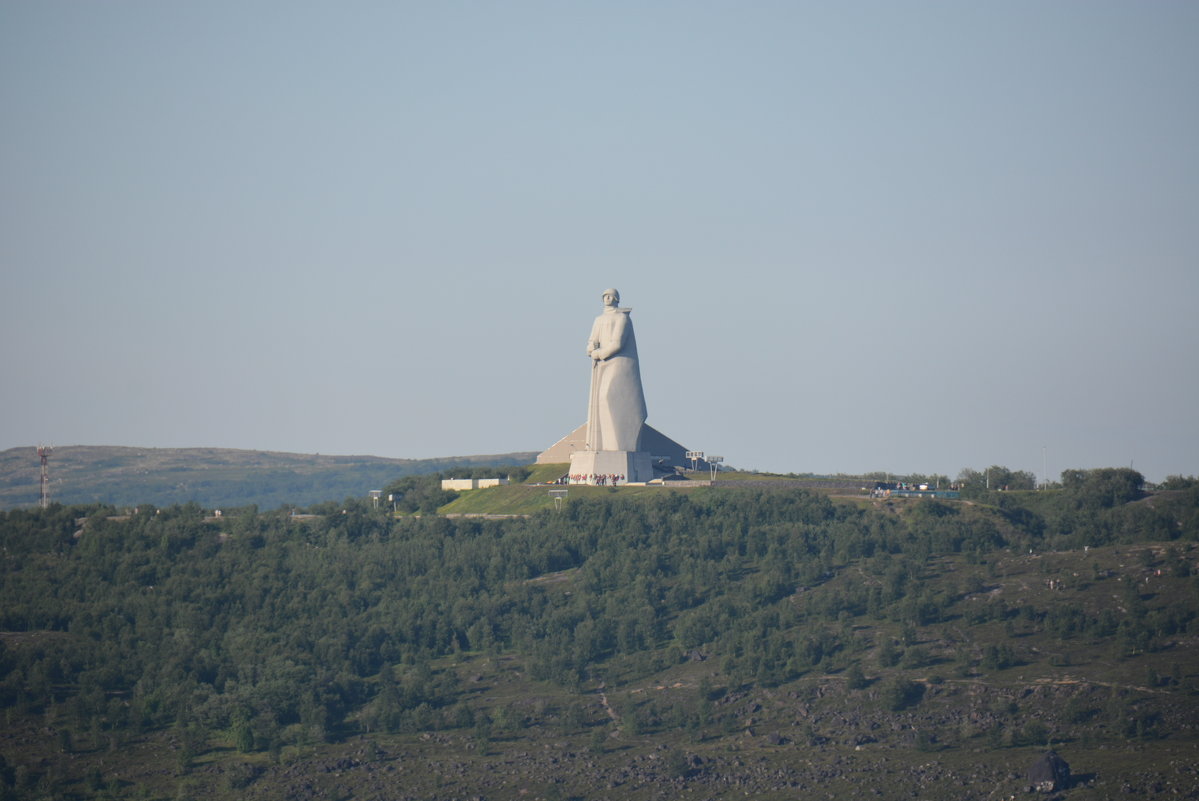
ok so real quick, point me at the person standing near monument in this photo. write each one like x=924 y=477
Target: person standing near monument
x=617 y=410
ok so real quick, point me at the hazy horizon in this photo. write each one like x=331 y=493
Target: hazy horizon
x=867 y=237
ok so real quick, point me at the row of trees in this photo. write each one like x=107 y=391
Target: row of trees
x=1102 y=488
x=1105 y=487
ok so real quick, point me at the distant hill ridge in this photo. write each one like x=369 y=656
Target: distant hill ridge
x=212 y=477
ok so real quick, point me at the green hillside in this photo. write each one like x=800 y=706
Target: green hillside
x=517 y=499
x=532 y=493
x=211 y=477
x=641 y=644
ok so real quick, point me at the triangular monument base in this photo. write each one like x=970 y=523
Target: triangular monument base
x=632 y=466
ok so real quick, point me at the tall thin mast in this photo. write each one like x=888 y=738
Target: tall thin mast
x=44 y=451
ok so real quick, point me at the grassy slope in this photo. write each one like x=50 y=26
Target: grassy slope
x=533 y=494
x=527 y=498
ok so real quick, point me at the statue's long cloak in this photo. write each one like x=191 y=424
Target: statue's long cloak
x=617 y=409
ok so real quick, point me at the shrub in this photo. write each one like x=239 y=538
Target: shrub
x=899 y=693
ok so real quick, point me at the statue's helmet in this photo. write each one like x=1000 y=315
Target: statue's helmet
x=611 y=292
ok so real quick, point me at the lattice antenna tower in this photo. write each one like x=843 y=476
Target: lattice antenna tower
x=44 y=451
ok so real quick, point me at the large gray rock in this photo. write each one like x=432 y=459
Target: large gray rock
x=1049 y=774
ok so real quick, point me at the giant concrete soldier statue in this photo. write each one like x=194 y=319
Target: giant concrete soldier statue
x=617 y=409
x=615 y=445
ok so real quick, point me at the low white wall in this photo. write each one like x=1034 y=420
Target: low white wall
x=462 y=484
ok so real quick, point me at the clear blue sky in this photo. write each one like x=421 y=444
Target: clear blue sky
x=905 y=236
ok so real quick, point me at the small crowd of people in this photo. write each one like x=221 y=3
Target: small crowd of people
x=599 y=480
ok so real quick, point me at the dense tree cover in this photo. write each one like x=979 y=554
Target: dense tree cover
x=996 y=477
x=276 y=629
x=1097 y=507
x=1102 y=488
x=1178 y=483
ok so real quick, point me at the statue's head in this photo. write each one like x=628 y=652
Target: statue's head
x=611 y=297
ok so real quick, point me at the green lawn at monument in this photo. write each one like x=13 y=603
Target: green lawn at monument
x=534 y=492
x=524 y=499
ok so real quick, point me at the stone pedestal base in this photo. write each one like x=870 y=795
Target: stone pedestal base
x=633 y=466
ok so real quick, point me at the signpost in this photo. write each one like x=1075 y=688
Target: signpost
x=558 y=495
x=713 y=461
